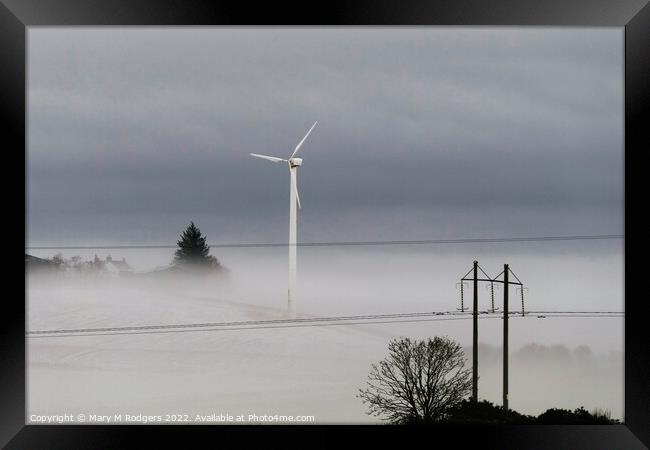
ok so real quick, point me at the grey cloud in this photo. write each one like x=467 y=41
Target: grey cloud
x=124 y=120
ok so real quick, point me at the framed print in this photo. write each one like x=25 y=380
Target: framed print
x=455 y=253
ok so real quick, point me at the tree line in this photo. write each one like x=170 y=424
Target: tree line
x=426 y=382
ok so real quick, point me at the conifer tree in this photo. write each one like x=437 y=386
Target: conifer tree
x=193 y=249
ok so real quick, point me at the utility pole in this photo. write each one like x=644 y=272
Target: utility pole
x=506 y=269
x=475 y=337
x=475 y=269
x=506 y=284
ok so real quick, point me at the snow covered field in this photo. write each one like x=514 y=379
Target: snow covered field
x=312 y=371
x=302 y=371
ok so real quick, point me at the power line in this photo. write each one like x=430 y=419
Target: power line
x=572 y=312
x=589 y=316
x=345 y=243
x=262 y=327
x=252 y=322
x=297 y=323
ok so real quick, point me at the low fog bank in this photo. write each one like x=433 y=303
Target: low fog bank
x=316 y=370
x=372 y=280
x=557 y=375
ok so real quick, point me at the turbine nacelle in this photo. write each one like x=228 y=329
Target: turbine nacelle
x=295 y=162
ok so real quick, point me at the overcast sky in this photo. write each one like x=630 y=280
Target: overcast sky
x=423 y=132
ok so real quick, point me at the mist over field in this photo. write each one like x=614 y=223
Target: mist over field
x=316 y=370
x=561 y=275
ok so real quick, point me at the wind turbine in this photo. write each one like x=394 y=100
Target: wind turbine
x=294 y=199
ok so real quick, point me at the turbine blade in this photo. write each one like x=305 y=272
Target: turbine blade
x=270 y=158
x=303 y=140
x=295 y=189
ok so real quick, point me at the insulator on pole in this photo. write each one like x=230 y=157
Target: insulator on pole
x=492 y=294
x=462 y=304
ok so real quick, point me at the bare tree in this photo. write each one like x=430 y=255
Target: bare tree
x=419 y=381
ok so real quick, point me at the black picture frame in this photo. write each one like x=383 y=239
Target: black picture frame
x=633 y=15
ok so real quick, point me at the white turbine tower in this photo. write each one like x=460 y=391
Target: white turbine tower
x=294 y=199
